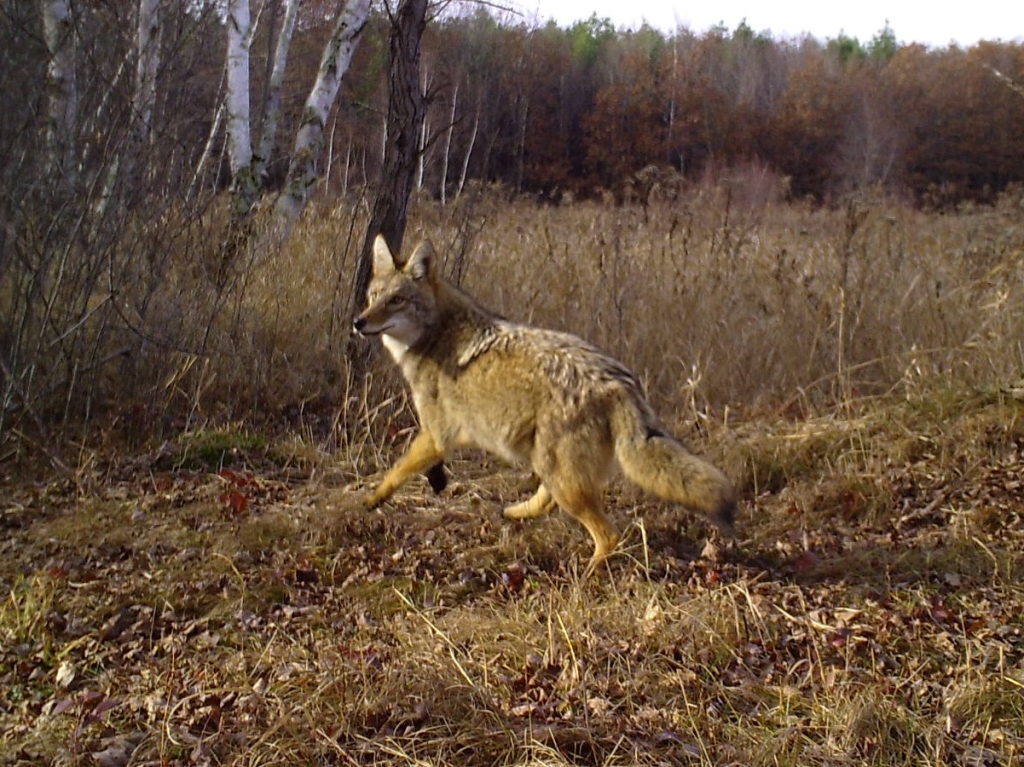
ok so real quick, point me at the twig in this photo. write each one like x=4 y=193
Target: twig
x=1006 y=80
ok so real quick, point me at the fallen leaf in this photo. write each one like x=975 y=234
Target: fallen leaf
x=65 y=674
x=117 y=754
x=235 y=501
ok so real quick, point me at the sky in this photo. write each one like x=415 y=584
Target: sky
x=936 y=23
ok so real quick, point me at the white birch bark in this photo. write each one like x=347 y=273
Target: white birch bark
x=147 y=62
x=218 y=118
x=273 y=113
x=309 y=141
x=238 y=109
x=448 y=146
x=348 y=166
x=421 y=163
x=106 y=193
x=146 y=67
x=469 y=151
x=59 y=33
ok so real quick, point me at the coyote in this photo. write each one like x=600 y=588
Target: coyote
x=529 y=395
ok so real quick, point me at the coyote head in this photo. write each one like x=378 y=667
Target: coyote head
x=401 y=298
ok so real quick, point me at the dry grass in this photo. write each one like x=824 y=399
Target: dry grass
x=223 y=598
x=715 y=298
x=869 y=613
x=715 y=303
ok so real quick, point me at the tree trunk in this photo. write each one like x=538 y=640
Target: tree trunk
x=273 y=107
x=204 y=157
x=448 y=146
x=523 y=113
x=309 y=142
x=469 y=151
x=330 y=153
x=243 y=180
x=59 y=33
x=348 y=165
x=146 y=67
x=671 y=134
x=391 y=205
x=405 y=117
x=127 y=168
x=421 y=163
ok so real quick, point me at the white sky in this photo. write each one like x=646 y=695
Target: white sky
x=935 y=23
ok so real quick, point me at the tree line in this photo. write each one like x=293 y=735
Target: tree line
x=541 y=109
x=586 y=108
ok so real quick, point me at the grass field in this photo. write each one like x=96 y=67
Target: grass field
x=219 y=595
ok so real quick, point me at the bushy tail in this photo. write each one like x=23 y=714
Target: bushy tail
x=659 y=464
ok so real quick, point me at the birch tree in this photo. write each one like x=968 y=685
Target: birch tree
x=146 y=67
x=448 y=145
x=240 y=156
x=469 y=150
x=143 y=103
x=425 y=142
x=272 y=114
x=309 y=141
x=62 y=109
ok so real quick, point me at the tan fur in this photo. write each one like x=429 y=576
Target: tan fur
x=529 y=395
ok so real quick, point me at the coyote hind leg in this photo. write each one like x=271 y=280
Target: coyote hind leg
x=584 y=505
x=537 y=505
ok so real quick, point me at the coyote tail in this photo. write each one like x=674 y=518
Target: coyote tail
x=660 y=464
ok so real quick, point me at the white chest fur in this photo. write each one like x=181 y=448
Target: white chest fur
x=396 y=348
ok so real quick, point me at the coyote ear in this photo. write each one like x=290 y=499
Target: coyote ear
x=383 y=260
x=423 y=262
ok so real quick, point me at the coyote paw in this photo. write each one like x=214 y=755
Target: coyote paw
x=537 y=505
x=602 y=553
x=373 y=500
x=526 y=510
x=437 y=477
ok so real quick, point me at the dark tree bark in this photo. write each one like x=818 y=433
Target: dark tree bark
x=401 y=152
x=404 y=120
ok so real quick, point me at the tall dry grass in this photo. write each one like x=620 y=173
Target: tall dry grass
x=725 y=304
x=716 y=295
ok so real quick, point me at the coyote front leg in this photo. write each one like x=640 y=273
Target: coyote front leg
x=422 y=454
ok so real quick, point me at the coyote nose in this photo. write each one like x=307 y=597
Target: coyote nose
x=359 y=324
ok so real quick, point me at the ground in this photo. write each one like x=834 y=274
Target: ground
x=226 y=599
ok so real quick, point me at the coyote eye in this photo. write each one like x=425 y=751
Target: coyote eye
x=396 y=301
